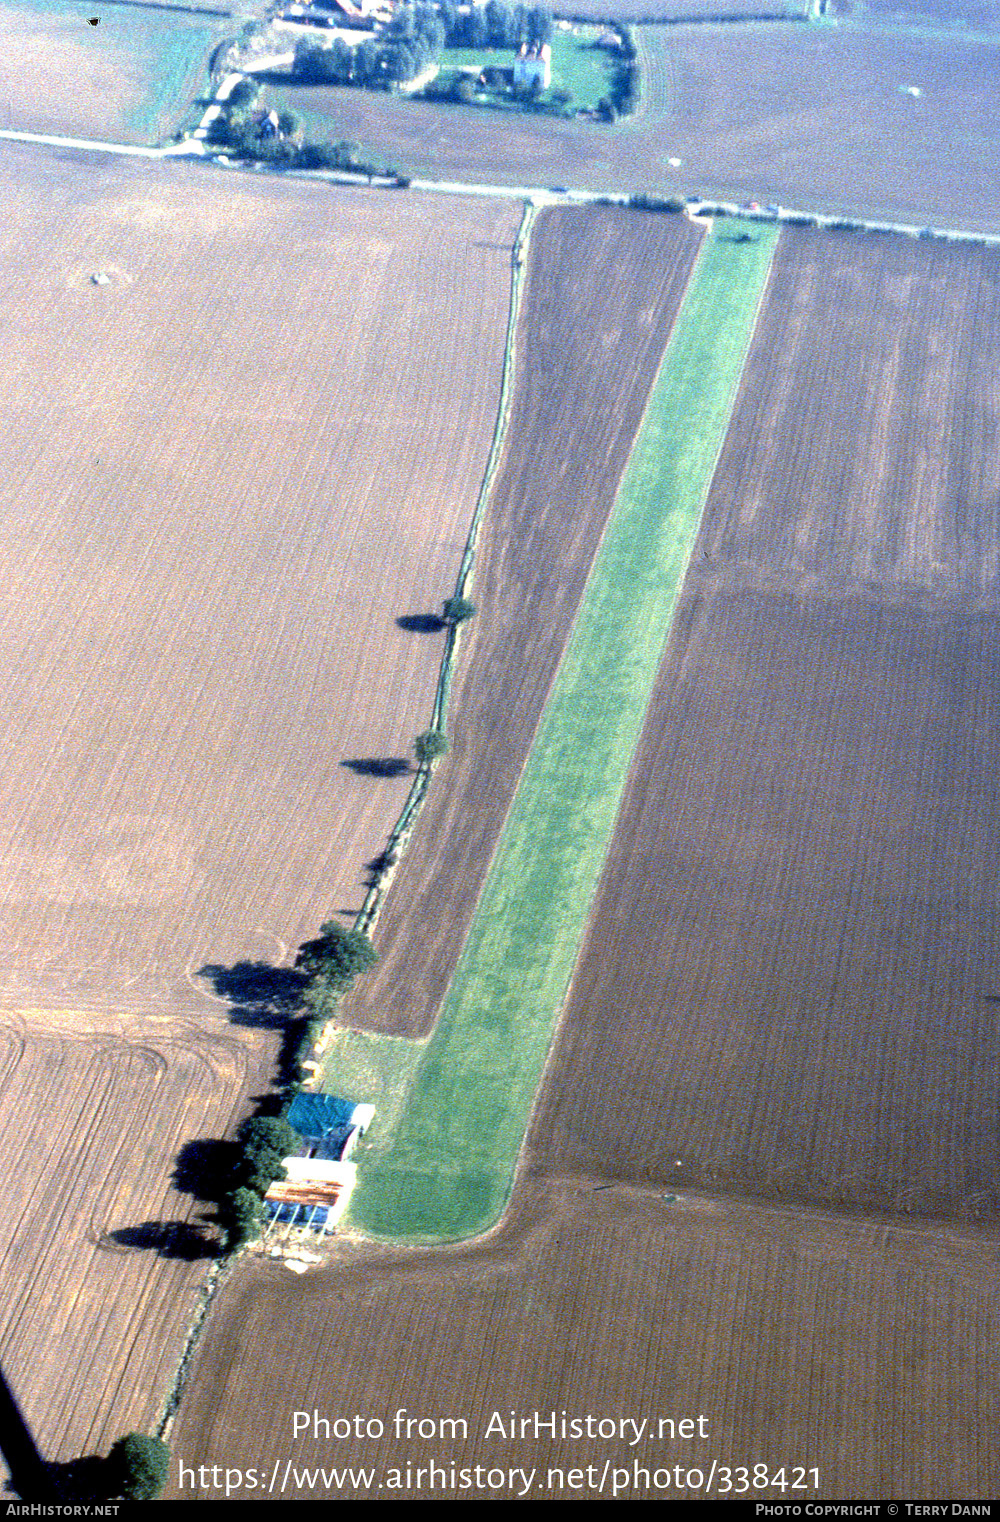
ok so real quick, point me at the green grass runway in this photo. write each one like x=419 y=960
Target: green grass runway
x=444 y=1169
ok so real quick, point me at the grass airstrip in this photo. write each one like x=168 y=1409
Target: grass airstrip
x=459 y=1103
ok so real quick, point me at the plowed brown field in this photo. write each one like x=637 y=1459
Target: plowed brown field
x=788 y=989
x=602 y=292
x=130 y=78
x=685 y=10
x=973 y=15
x=225 y=475
x=102 y=1266
x=226 y=472
x=791 y=979
x=805 y=1342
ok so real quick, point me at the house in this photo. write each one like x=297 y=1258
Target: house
x=531 y=64
x=356 y=10
x=318 y=1182
x=266 y=124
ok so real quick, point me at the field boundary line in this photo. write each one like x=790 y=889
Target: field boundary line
x=400 y=834
x=214 y=1280
x=447 y=1170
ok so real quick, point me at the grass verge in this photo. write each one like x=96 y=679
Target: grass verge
x=446 y=1169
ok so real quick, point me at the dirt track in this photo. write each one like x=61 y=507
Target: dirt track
x=602 y=291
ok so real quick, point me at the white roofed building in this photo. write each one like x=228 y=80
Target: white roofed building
x=531 y=64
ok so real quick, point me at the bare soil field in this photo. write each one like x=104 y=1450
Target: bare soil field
x=102 y=1259
x=684 y=10
x=790 y=982
x=226 y=473
x=968 y=15
x=602 y=291
x=811 y=117
x=128 y=79
x=804 y=1342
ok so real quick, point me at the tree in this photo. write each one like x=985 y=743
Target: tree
x=463 y=89
x=315 y=64
x=476 y=27
x=336 y=956
x=244 y=93
x=264 y=1142
x=540 y=24
x=500 y=24
x=428 y=746
x=263 y=1135
x=240 y=1213
x=137 y=1467
x=321 y=999
x=458 y=609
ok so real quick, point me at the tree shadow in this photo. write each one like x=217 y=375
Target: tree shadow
x=83 y=1480
x=204 y=1167
x=378 y=866
x=265 y=998
x=422 y=623
x=258 y=993
x=185 y=1241
x=378 y=766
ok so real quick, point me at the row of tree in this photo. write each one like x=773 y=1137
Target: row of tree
x=327 y=967
x=411 y=43
x=625 y=78
x=416 y=38
x=496 y=25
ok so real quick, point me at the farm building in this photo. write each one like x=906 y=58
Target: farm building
x=531 y=65
x=329 y=1127
x=314 y=1194
x=357 y=10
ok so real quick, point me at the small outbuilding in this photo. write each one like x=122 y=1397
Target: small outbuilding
x=314 y=1194
x=329 y=1127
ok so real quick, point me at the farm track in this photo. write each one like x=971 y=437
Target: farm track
x=789 y=986
x=602 y=290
